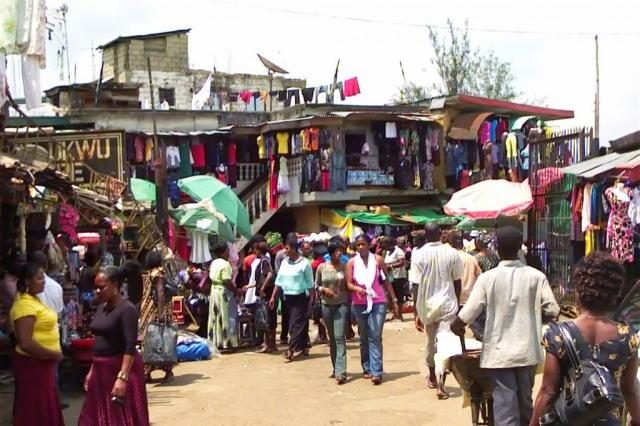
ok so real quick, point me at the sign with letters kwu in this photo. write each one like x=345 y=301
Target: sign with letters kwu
x=77 y=153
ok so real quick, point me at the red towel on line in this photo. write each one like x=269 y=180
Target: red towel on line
x=351 y=87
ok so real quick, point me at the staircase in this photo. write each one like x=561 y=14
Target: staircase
x=253 y=190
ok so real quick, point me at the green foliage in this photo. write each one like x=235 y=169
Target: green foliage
x=463 y=69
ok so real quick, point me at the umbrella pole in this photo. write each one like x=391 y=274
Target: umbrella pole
x=161 y=168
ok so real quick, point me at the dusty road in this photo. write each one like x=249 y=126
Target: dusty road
x=248 y=389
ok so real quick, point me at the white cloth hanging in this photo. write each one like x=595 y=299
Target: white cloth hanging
x=283 y=177
x=634 y=207
x=366 y=275
x=31 y=81
x=390 y=130
x=202 y=96
x=200 y=247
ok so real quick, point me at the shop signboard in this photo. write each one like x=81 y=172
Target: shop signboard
x=77 y=154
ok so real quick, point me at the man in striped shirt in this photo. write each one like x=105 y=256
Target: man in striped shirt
x=438 y=270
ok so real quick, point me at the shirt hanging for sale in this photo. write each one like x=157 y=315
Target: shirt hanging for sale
x=283 y=143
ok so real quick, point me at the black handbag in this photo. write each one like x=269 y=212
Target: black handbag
x=590 y=391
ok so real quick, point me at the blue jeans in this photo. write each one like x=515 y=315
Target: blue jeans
x=370 y=330
x=335 y=317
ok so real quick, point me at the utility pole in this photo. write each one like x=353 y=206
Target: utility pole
x=161 y=166
x=597 y=100
x=63 y=11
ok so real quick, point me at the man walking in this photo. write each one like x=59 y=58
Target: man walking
x=515 y=298
x=438 y=269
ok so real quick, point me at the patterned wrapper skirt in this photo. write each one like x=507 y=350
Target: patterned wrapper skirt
x=99 y=410
x=221 y=328
x=36 y=394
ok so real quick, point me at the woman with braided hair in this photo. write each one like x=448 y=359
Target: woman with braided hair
x=598 y=279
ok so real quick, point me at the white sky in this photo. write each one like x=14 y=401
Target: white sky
x=558 y=65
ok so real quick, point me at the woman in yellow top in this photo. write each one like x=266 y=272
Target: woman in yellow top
x=37 y=354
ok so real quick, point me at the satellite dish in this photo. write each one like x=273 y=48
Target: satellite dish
x=271 y=66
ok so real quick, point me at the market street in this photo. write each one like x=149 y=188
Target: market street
x=247 y=388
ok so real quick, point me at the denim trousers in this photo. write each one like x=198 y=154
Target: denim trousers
x=370 y=330
x=335 y=318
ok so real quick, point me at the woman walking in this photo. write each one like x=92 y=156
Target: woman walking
x=37 y=353
x=221 y=329
x=330 y=284
x=155 y=307
x=116 y=393
x=366 y=274
x=295 y=280
x=598 y=279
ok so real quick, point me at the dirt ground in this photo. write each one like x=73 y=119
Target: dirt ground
x=247 y=388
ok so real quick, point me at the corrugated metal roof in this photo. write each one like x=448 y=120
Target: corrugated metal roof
x=623 y=158
x=599 y=165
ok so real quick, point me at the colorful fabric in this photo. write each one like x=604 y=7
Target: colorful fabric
x=619 y=229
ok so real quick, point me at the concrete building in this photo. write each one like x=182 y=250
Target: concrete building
x=125 y=61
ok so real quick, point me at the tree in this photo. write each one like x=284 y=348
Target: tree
x=455 y=60
x=410 y=92
x=465 y=69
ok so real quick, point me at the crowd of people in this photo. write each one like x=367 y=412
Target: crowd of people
x=335 y=284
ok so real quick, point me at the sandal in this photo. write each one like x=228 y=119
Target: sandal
x=366 y=375
x=442 y=395
x=376 y=380
x=341 y=380
x=288 y=356
x=431 y=384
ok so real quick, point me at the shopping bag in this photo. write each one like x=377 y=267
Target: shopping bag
x=262 y=316
x=160 y=344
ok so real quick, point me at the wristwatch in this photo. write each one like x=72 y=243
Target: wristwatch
x=123 y=376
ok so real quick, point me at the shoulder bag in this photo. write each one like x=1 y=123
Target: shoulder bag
x=590 y=391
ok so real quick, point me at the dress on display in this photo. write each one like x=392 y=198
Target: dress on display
x=619 y=229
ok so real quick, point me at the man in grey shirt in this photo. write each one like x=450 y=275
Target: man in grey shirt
x=515 y=298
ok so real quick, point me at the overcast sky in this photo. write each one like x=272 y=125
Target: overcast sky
x=550 y=44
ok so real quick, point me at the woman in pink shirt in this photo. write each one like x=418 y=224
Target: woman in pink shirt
x=366 y=273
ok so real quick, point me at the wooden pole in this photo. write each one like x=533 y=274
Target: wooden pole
x=597 y=100
x=161 y=166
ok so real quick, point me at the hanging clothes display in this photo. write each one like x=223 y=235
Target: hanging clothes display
x=283 y=177
x=619 y=228
x=200 y=247
x=273 y=186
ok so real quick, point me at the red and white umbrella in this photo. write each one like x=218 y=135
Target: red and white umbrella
x=489 y=199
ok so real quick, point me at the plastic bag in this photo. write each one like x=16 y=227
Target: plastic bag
x=194 y=350
x=262 y=316
x=160 y=344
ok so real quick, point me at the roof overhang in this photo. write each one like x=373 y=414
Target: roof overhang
x=470 y=103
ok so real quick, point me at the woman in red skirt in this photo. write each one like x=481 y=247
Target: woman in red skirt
x=37 y=354
x=116 y=393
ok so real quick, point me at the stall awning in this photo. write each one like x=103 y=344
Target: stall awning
x=599 y=165
x=466 y=126
x=415 y=216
